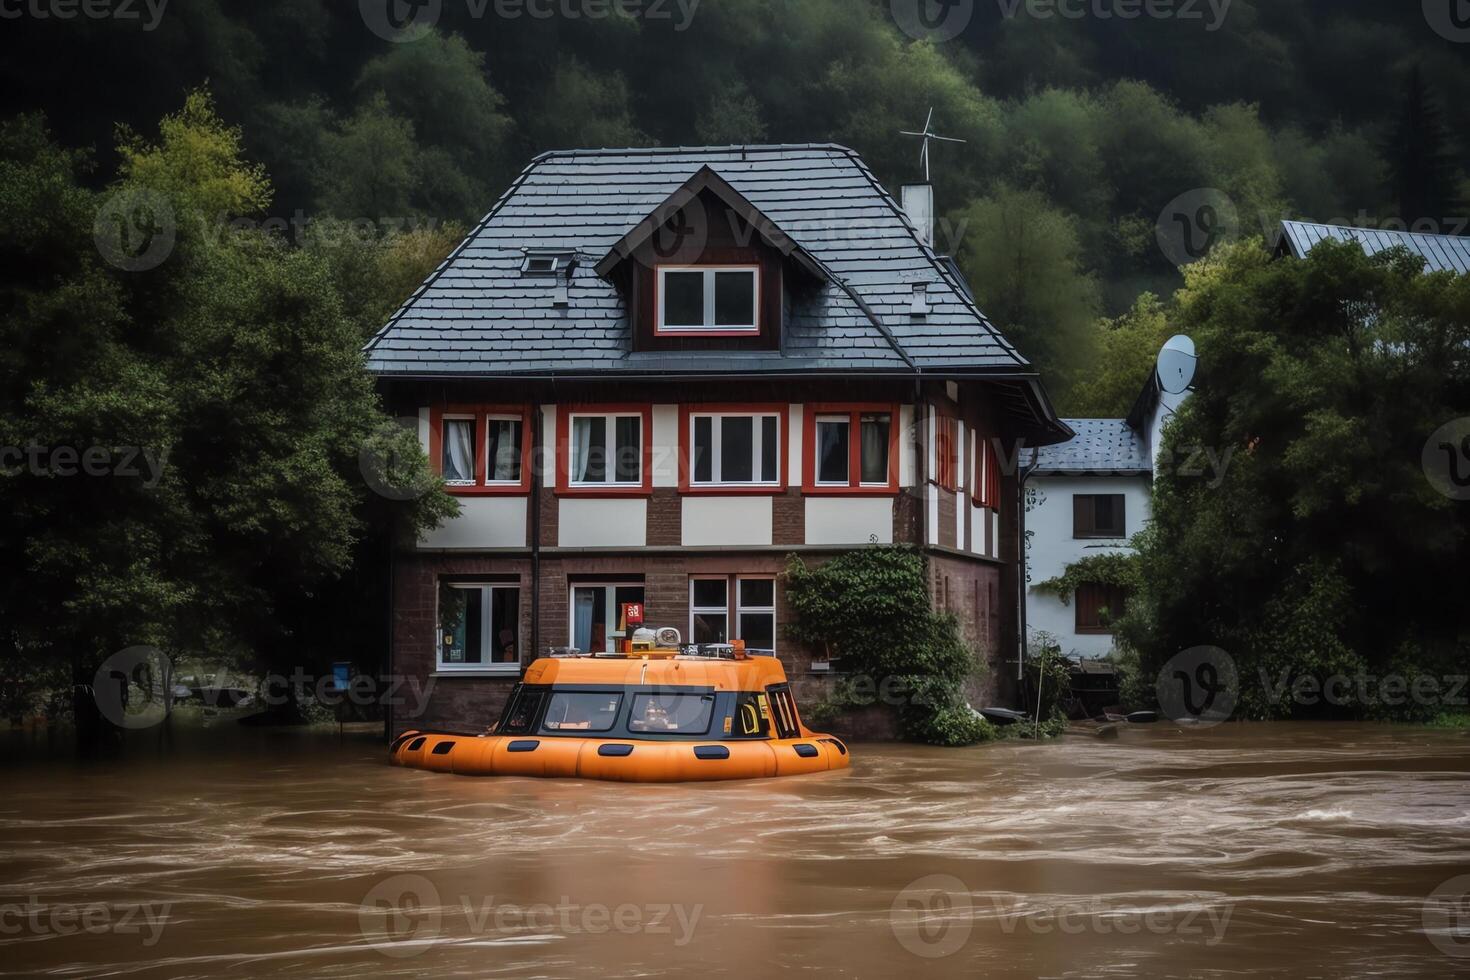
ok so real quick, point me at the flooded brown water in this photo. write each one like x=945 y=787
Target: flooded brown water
x=1270 y=850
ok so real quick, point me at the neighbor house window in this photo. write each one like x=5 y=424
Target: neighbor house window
x=752 y=615
x=1098 y=515
x=851 y=450
x=727 y=449
x=946 y=452
x=1098 y=607
x=479 y=627
x=606 y=450
x=481 y=449
x=596 y=614
x=987 y=474
x=718 y=299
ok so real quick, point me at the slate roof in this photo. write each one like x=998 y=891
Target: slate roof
x=1440 y=252
x=477 y=316
x=1101 y=446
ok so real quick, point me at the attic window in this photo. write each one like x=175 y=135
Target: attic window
x=546 y=263
x=708 y=299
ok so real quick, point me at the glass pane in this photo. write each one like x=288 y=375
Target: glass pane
x=687 y=714
x=629 y=449
x=589 y=449
x=523 y=711
x=737 y=449
x=709 y=592
x=711 y=628
x=505 y=621
x=735 y=299
x=460 y=616
x=770 y=450
x=750 y=715
x=704 y=450
x=589 y=626
x=757 y=593
x=459 y=450
x=504 y=451
x=683 y=299
x=832 y=450
x=758 y=630
x=581 y=712
x=875 y=448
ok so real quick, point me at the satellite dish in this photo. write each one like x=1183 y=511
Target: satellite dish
x=1177 y=362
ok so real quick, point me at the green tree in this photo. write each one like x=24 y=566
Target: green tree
x=371 y=165
x=1421 y=160
x=1127 y=349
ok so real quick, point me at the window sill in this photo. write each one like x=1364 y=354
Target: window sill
x=506 y=490
x=1093 y=632
x=608 y=491
x=510 y=670
x=859 y=491
x=1099 y=537
x=734 y=490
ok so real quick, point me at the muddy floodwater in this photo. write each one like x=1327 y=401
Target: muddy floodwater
x=1245 y=850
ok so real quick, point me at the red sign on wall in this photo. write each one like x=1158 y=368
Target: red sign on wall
x=633 y=614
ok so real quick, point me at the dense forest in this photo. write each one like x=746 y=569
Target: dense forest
x=1080 y=130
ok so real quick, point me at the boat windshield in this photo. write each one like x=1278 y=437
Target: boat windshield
x=684 y=714
x=582 y=711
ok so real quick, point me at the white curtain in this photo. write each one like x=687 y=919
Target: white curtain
x=582 y=448
x=459 y=451
x=583 y=600
x=503 y=450
x=875 y=449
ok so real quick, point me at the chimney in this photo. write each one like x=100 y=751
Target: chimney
x=918 y=204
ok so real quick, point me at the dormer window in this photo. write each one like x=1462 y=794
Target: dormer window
x=546 y=262
x=708 y=300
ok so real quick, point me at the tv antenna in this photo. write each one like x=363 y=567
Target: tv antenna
x=928 y=135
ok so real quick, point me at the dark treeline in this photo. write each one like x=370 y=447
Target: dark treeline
x=1080 y=130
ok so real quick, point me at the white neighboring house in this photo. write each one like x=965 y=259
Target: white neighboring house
x=1087 y=497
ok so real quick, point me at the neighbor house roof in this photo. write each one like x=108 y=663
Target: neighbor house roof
x=1440 y=252
x=477 y=316
x=1101 y=446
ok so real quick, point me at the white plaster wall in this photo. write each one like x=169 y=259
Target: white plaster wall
x=483 y=522
x=665 y=445
x=907 y=451
x=849 y=520
x=795 y=432
x=620 y=522
x=743 y=520
x=1051 y=548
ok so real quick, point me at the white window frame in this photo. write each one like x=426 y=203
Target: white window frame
x=610 y=611
x=610 y=435
x=716 y=447
x=695 y=611
x=487 y=629
x=709 y=325
x=520 y=424
x=741 y=609
x=846 y=419
x=473 y=481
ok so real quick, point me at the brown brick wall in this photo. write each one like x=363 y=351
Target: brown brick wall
x=665 y=517
x=788 y=517
x=971 y=590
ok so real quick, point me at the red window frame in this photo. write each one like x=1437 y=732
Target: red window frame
x=946 y=452
x=564 y=415
x=987 y=474
x=855 y=486
x=482 y=431
x=658 y=292
x=781 y=410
